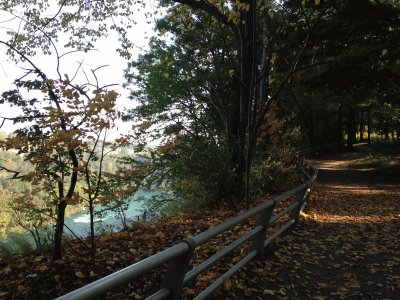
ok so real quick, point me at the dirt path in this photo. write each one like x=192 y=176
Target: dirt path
x=347 y=245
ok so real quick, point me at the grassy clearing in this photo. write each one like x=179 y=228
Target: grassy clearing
x=385 y=155
x=376 y=161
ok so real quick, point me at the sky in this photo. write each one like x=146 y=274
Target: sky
x=104 y=54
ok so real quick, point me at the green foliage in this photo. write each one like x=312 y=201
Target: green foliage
x=198 y=173
x=379 y=160
x=275 y=171
x=356 y=69
x=182 y=95
x=43 y=23
x=15 y=243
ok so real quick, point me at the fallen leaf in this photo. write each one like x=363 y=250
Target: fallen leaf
x=79 y=274
x=227 y=284
x=43 y=268
x=269 y=292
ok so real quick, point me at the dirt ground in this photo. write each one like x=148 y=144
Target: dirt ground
x=347 y=244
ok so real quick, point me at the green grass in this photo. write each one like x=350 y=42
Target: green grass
x=377 y=161
x=15 y=243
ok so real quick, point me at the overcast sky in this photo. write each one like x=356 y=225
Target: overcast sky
x=104 y=54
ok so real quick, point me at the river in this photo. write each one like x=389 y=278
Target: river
x=79 y=223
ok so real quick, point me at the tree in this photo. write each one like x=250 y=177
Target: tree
x=62 y=124
x=356 y=58
x=248 y=36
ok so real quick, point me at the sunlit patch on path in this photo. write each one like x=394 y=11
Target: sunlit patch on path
x=347 y=245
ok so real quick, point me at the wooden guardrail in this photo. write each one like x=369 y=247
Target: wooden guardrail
x=179 y=256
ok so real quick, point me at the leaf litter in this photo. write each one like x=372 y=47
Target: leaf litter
x=346 y=246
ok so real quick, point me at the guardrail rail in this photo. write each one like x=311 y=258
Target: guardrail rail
x=179 y=256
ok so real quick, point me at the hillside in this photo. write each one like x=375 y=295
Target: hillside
x=344 y=247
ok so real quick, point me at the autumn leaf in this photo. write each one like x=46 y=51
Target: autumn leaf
x=79 y=274
x=227 y=284
x=3 y=293
x=43 y=268
x=269 y=292
x=318 y=298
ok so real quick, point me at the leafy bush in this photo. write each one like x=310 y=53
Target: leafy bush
x=274 y=173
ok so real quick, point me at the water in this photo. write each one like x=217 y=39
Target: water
x=107 y=221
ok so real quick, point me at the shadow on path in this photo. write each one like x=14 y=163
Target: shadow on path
x=347 y=245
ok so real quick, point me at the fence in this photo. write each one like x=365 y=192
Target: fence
x=179 y=256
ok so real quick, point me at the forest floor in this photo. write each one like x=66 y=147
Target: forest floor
x=346 y=245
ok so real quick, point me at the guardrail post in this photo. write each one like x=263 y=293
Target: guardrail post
x=259 y=238
x=300 y=199
x=173 y=278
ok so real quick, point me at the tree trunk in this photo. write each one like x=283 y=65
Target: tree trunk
x=340 y=123
x=351 y=127
x=386 y=131
x=369 y=125
x=362 y=126
x=58 y=234
x=92 y=236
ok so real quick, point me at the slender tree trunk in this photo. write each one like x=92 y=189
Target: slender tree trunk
x=351 y=127
x=92 y=233
x=369 y=125
x=386 y=131
x=362 y=126
x=58 y=234
x=340 y=123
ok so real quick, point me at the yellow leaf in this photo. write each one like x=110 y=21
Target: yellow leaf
x=317 y=2
x=384 y=52
x=3 y=293
x=79 y=274
x=227 y=284
x=43 y=268
x=318 y=298
x=38 y=258
x=269 y=292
